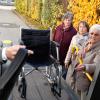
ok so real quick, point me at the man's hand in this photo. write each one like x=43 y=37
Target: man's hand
x=12 y=51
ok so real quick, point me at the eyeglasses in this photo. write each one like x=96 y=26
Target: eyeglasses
x=95 y=34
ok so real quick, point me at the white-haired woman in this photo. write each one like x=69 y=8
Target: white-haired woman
x=91 y=59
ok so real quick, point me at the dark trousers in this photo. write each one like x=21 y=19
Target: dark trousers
x=64 y=72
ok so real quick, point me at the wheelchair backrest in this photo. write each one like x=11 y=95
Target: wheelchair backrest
x=38 y=41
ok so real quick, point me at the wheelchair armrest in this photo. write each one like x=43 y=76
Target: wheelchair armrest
x=53 y=58
x=20 y=42
x=55 y=50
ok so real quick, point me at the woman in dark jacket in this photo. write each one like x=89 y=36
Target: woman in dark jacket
x=63 y=35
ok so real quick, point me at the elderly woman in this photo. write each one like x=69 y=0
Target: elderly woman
x=63 y=35
x=92 y=57
x=78 y=40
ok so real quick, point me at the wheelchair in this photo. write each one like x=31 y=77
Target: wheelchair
x=46 y=54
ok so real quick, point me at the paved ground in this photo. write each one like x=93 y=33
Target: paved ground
x=10 y=24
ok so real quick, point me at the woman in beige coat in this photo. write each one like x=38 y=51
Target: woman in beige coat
x=79 y=40
x=91 y=59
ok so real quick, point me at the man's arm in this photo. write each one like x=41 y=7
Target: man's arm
x=10 y=52
x=1 y=59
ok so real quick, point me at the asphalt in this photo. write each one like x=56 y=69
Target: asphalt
x=10 y=24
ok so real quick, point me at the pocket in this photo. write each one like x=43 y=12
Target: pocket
x=82 y=82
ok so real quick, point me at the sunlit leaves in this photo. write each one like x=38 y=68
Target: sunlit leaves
x=85 y=10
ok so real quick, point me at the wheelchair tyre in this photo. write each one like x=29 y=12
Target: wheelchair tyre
x=53 y=87
x=22 y=88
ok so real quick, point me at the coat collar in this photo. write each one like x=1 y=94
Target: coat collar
x=65 y=29
x=85 y=34
x=95 y=45
x=95 y=48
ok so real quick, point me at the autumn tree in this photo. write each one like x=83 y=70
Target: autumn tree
x=88 y=10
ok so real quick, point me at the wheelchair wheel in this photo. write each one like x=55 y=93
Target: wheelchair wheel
x=56 y=73
x=53 y=85
x=22 y=88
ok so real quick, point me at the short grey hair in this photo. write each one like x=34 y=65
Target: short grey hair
x=68 y=14
x=94 y=27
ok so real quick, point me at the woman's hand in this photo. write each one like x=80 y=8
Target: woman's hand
x=80 y=67
x=89 y=45
x=81 y=53
x=66 y=65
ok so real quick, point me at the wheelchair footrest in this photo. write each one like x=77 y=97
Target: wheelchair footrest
x=54 y=78
x=55 y=89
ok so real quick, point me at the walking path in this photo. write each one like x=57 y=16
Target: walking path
x=10 y=24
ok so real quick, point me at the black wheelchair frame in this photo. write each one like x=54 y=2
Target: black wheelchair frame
x=44 y=51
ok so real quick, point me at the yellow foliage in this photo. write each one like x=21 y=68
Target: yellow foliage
x=47 y=12
x=85 y=10
x=44 y=11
